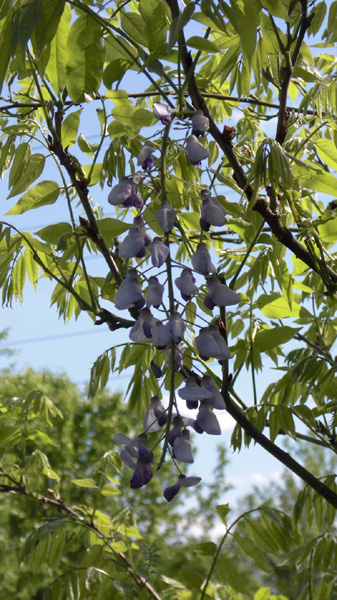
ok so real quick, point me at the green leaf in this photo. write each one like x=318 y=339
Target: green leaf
x=246 y=14
x=202 y=44
x=70 y=127
x=134 y=26
x=179 y=23
x=156 y=15
x=52 y=233
x=277 y=9
x=47 y=24
x=206 y=549
x=327 y=231
x=134 y=117
x=32 y=170
x=87 y=483
x=327 y=151
x=86 y=53
x=24 y=21
x=45 y=192
x=21 y=159
x=115 y=71
x=5 y=34
x=222 y=510
x=274 y=306
x=48 y=472
x=57 y=64
x=269 y=338
x=85 y=146
x=9 y=436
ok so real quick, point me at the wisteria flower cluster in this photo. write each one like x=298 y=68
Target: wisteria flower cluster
x=166 y=328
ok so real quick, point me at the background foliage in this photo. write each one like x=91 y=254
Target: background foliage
x=262 y=73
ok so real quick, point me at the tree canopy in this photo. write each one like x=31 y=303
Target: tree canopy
x=209 y=194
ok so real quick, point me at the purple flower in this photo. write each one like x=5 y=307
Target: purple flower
x=201 y=260
x=155 y=416
x=141 y=330
x=129 y=293
x=126 y=192
x=141 y=465
x=177 y=327
x=186 y=284
x=195 y=151
x=182 y=448
x=212 y=212
x=165 y=216
x=161 y=335
x=182 y=482
x=178 y=355
x=209 y=343
x=136 y=241
x=159 y=252
x=193 y=392
x=219 y=294
x=145 y=157
x=155 y=292
x=216 y=398
x=207 y=420
x=121 y=192
x=200 y=123
x=161 y=112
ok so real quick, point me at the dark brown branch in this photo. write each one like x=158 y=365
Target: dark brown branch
x=287 y=71
x=60 y=505
x=282 y=456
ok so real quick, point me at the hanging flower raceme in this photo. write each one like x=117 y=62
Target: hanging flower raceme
x=141 y=330
x=145 y=157
x=129 y=293
x=136 y=241
x=186 y=284
x=165 y=216
x=162 y=113
x=126 y=192
x=200 y=123
x=182 y=482
x=201 y=260
x=155 y=416
x=159 y=252
x=219 y=294
x=155 y=292
x=210 y=344
x=212 y=211
x=196 y=152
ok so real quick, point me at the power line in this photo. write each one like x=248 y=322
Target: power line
x=53 y=337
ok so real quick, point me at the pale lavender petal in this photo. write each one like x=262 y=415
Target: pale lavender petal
x=195 y=151
x=182 y=448
x=207 y=420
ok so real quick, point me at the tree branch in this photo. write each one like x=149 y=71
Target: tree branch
x=60 y=505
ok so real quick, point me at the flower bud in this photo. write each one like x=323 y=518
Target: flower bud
x=155 y=292
x=177 y=327
x=129 y=292
x=182 y=448
x=186 y=284
x=219 y=294
x=161 y=112
x=201 y=260
x=159 y=252
x=165 y=216
x=195 y=151
x=200 y=123
x=145 y=157
x=209 y=343
x=161 y=335
x=207 y=420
